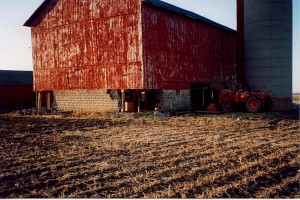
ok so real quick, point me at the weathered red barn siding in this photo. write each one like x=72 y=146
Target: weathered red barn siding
x=89 y=44
x=178 y=50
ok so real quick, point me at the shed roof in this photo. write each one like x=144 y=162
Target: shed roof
x=48 y=5
x=8 y=77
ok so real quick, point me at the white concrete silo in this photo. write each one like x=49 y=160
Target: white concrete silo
x=268 y=46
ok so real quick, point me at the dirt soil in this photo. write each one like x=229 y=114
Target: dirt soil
x=129 y=155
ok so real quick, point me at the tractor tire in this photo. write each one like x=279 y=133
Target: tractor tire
x=228 y=106
x=253 y=104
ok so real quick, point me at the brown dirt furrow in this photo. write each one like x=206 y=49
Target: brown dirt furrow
x=236 y=155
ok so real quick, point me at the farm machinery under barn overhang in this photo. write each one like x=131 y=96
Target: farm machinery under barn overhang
x=231 y=100
x=207 y=99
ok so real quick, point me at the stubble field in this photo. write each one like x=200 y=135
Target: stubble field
x=233 y=155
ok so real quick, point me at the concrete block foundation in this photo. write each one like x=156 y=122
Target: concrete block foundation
x=175 y=100
x=87 y=100
x=111 y=100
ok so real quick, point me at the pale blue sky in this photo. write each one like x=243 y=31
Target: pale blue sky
x=15 y=40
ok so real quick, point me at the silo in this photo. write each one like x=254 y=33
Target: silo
x=268 y=46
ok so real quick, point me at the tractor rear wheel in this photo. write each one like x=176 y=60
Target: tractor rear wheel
x=253 y=104
x=228 y=106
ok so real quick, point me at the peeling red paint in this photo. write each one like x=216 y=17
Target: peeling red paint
x=89 y=44
x=128 y=44
x=178 y=51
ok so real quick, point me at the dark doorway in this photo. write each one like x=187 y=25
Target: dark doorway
x=202 y=95
x=141 y=101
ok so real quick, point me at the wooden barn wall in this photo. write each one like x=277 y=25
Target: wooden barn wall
x=178 y=51
x=89 y=44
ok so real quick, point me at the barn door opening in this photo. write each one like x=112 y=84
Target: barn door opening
x=140 y=101
x=202 y=95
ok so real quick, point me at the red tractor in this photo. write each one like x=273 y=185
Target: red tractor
x=256 y=101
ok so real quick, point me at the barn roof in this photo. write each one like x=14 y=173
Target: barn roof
x=8 y=77
x=40 y=13
x=48 y=5
x=181 y=11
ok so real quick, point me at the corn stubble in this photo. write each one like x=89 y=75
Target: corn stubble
x=192 y=156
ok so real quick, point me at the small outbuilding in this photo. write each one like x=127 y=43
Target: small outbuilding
x=129 y=55
x=16 y=89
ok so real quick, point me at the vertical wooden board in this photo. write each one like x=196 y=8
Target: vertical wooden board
x=120 y=41
x=103 y=77
x=97 y=76
x=134 y=6
x=95 y=36
x=68 y=11
x=59 y=15
x=123 y=75
x=45 y=63
x=86 y=10
x=55 y=80
x=55 y=17
x=71 y=78
x=66 y=34
x=84 y=79
x=89 y=58
x=113 y=77
x=52 y=19
x=89 y=36
x=149 y=69
x=96 y=4
x=134 y=76
x=111 y=30
x=120 y=7
x=102 y=37
x=103 y=7
x=42 y=78
x=134 y=53
x=104 y=40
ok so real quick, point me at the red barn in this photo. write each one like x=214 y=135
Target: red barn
x=129 y=55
